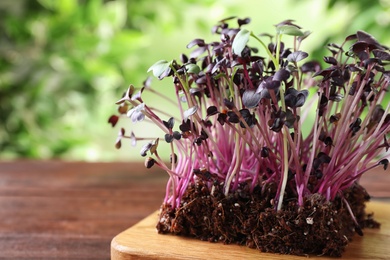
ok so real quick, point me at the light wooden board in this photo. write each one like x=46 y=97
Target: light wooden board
x=142 y=242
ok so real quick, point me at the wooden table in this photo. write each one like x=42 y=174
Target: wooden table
x=72 y=210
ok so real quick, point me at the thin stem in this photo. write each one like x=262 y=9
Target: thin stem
x=284 y=169
x=265 y=48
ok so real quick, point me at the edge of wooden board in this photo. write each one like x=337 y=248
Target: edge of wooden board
x=143 y=242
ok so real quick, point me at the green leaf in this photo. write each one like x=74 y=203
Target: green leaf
x=240 y=41
x=192 y=68
x=289 y=30
x=304 y=36
x=159 y=67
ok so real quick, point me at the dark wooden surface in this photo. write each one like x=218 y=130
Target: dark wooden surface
x=62 y=210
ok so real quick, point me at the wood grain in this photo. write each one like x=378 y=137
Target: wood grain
x=62 y=210
x=143 y=242
x=72 y=210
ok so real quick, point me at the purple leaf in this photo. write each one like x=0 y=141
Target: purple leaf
x=145 y=149
x=330 y=60
x=382 y=55
x=250 y=98
x=113 y=120
x=212 y=110
x=281 y=75
x=170 y=123
x=198 y=42
x=189 y=112
x=297 y=56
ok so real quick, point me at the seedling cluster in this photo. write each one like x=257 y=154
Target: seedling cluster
x=241 y=115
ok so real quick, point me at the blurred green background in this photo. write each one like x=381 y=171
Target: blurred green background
x=64 y=63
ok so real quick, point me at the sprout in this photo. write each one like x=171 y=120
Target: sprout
x=136 y=114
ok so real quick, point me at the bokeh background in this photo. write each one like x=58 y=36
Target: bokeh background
x=64 y=63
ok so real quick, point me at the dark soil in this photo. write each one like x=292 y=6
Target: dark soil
x=320 y=227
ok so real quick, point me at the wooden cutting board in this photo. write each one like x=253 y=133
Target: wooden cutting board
x=142 y=242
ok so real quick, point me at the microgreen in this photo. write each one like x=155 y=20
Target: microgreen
x=243 y=104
